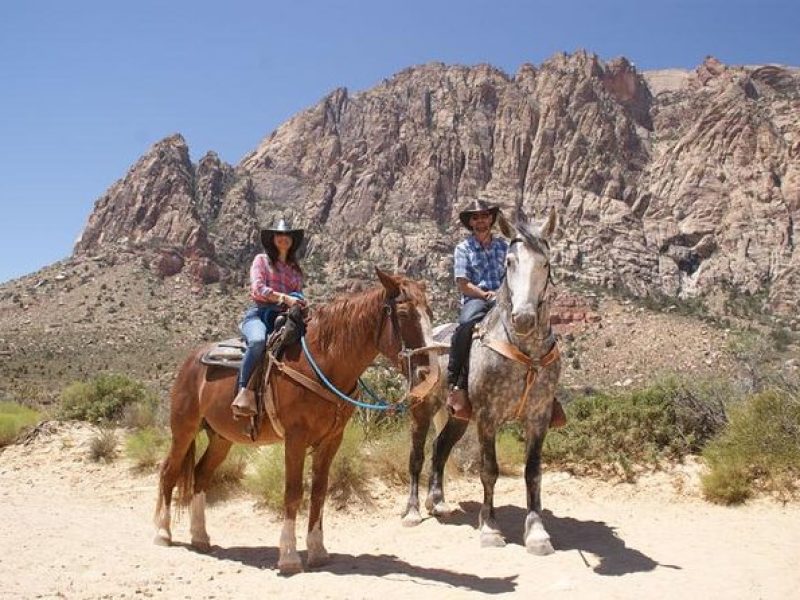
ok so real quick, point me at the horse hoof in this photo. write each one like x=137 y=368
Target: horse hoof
x=492 y=540
x=162 y=538
x=441 y=509
x=412 y=518
x=290 y=565
x=290 y=568
x=540 y=547
x=203 y=546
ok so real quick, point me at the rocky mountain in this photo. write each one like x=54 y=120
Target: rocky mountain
x=670 y=182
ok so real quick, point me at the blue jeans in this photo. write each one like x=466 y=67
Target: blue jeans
x=256 y=325
x=472 y=312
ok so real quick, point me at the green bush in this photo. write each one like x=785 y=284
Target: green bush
x=13 y=419
x=759 y=450
x=347 y=481
x=611 y=434
x=267 y=478
x=103 y=398
x=146 y=447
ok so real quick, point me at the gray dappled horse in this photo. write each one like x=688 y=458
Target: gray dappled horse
x=513 y=372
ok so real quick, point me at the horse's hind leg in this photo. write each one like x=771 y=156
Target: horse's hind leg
x=452 y=432
x=321 y=466
x=176 y=468
x=420 y=424
x=487 y=524
x=537 y=540
x=217 y=450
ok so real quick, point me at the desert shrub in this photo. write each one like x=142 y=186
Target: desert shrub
x=781 y=338
x=758 y=450
x=348 y=478
x=510 y=444
x=14 y=418
x=266 y=481
x=103 y=398
x=144 y=414
x=387 y=385
x=146 y=447
x=388 y=451
x=103 y=446
x=638 y=429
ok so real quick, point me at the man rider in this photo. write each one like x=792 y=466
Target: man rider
x=479 y=268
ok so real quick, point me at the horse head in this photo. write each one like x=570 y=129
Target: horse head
x=528 y=271
x=406 y=322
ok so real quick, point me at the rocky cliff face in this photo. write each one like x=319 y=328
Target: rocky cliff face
x=672 y=182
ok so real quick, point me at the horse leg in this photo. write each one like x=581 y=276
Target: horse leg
x=177 y=468
x=321 y=466
x=537 y=540
x=490 y=532
x=420 y=424
x=452 y=432
x=217 y=450
x=289 y=560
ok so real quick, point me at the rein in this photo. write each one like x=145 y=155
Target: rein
x=417 y=393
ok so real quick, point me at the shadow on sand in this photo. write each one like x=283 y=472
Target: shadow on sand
x=566 y=533
x=380 y=565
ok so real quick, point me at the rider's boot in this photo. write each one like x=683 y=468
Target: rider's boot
x=244 y=405
x=458 y=404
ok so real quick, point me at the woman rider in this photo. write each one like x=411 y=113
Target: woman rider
x=276 y=284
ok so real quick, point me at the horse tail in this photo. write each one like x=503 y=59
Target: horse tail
x=185 y=483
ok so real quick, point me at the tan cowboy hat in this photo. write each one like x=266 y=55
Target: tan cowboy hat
x=282 y=227
x=477 y=206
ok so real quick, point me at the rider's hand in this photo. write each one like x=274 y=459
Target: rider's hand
x=489 y=296
x=290 y=301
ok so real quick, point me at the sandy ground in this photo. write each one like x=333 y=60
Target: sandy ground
x=74 y=529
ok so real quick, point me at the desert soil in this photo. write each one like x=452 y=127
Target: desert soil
x=77 y=529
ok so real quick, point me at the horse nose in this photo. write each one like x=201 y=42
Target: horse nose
x=522 y=321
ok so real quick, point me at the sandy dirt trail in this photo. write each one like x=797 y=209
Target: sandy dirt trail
x=74 y=529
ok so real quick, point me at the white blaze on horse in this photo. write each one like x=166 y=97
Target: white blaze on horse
x=344 y=337
x=514 y=369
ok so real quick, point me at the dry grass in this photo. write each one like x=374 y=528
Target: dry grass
x=14 y=419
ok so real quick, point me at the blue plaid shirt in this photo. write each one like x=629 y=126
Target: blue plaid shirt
x=484 y=267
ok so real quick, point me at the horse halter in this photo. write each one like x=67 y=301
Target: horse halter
x=390 y=309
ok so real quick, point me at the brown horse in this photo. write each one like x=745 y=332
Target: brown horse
x=344 y=337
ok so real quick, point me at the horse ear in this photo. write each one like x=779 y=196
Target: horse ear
x=522 y=218
x=389 y=282
x=505 y=227
x=550 y=225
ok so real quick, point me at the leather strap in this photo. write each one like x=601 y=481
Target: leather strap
x=512 y=352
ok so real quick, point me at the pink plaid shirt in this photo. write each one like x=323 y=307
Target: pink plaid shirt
x=266 y=277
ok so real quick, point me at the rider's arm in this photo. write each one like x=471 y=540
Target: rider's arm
x=260 y=290
x=470 y=290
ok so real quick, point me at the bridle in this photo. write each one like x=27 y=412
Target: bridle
x=390 y=311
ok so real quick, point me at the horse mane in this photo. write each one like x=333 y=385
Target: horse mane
x=347 y=320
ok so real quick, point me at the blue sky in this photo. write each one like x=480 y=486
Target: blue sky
x=87 y=87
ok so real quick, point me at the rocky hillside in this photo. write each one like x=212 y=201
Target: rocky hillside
x=669 y=182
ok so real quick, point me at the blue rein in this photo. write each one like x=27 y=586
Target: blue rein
x=380 y=404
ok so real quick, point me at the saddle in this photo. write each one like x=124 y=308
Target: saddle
x=289 y=327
